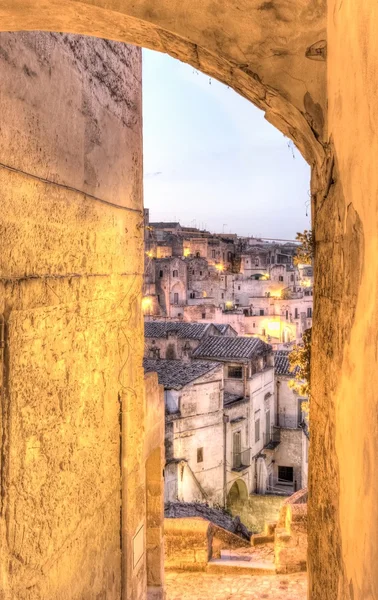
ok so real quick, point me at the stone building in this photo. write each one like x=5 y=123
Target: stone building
x=249 y=408
x=194 y=429
x=290 y=469
x=267 y=297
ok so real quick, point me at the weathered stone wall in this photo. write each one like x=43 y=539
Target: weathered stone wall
x=70 y=278
x=343 y=513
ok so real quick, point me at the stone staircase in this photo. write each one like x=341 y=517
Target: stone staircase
x=234 y=562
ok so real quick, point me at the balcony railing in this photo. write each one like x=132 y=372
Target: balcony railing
x=272 y=439
x=241 y=460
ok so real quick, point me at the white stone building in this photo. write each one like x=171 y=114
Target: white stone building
x=248 y=407
x=291 y=458
x=195 y=429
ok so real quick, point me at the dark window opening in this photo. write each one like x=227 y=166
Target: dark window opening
x=280 y=278
x=199 y=455
x=160 y=273
x=261 y=312
x=175 y=273
x=309 y=313
x=203 y=315
x=235 y=372
x=286 y=474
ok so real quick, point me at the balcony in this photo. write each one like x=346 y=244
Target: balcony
x=241 y=460
x=272 y=439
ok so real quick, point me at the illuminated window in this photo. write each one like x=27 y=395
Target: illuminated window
x=235 y=372
x=199 y=455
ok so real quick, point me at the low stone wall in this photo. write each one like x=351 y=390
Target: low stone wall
x=290 y=544
x=191 y=542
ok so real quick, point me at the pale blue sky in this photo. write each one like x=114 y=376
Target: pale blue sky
x=210 y=156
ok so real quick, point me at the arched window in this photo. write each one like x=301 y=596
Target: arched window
x=175 y=273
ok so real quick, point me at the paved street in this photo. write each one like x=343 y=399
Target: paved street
x=201 y=586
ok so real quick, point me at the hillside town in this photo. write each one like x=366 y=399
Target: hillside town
x=222 y=314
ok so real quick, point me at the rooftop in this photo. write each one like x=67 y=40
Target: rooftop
x=160 y=329
x=282 y=364
x=231 y=348
x=175 y=374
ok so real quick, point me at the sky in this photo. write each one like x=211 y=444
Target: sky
x=211 y=160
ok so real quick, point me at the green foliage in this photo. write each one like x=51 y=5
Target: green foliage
x=300 y=361
x=305 y=252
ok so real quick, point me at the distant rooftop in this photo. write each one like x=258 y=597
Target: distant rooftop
x=231 y=348
x=160 y=329
x=162 y=225
x=175 y=374
x=282 y=364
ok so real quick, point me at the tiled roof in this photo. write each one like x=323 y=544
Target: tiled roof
x=231 y=348
x=175 y=374
x=224 y=328
x=160 y=329
x=282 y=364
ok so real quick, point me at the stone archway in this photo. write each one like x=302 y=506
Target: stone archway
x=274 y=69
x=273 y=54
x=238 y=492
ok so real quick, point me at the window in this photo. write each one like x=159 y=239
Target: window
x=309 y=313
x=203 y=316
x=175 y=273
x=198 y=254
x=192 y=295
x=213 y=253
x=236 y=448
x=199 y=455
x=257 y=262
x=254 y=325
x=175 y=298
x=257 y=430
x=193 y=272
x=222 y=296
x=280 y=278
x=239 y=288
x=300 y=415
x=223 y=255
x=160 y=273
x=154 y=352
x=291 y=277
x=235 y=372
x=261 y=312
x=285 y=474
x=200 y=272
x=296 y=315
x=263 y=332
x=287 y=315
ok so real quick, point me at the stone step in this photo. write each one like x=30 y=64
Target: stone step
x=242 y=567
x=261 y=538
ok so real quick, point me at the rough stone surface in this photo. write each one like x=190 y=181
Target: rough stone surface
x=70 y=281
